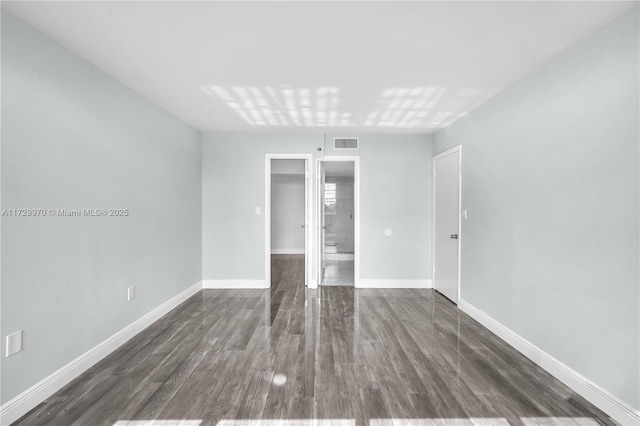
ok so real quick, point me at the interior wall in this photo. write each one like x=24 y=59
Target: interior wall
x=287 y=167
x=550 y=179
x=233 y=186
x=287 y=213
x=74 y=138
x=395 y=193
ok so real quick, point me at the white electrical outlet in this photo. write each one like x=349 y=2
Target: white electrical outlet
x=14 y=343
x=131 y=293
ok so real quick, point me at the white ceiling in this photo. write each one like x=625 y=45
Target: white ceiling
x=385 y=66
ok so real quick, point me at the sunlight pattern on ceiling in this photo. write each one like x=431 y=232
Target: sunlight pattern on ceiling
x=412 y=107
x=286 y=106
x=400 y=107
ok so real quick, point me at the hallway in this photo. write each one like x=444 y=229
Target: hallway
x=288 y=355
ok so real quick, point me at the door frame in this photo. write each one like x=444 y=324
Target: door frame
x=446 y=153
x=308 y=217
x=356 y=213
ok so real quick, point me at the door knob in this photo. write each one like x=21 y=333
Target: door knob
x=301 y=226
x=454 y=236
x=323 y=227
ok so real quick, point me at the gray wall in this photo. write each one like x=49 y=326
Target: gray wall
x=233 y=185
x=74 y=138
x=287 y=167
x=287 y=213
x=550 y=180
x=395 y=192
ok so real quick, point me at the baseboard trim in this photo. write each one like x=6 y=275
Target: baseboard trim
x=391 y=283
x=17 y=407
x=601 y=398
x=234 y=284
x=288 y=251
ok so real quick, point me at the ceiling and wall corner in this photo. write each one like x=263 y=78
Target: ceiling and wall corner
x=375 y=67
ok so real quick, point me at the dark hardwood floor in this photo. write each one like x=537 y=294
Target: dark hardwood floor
x=289 y=355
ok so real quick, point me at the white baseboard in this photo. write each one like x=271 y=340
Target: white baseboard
x=231 y=284
x=288 y=251
x=601 y=398
x=391 y=283
x=17 y=407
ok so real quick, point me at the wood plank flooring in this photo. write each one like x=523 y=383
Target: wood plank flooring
x=339 y=272
x=331 y=356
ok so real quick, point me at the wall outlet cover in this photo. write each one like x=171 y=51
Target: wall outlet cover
x=14 y=343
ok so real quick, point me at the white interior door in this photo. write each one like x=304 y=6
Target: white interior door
x=446 y=168
x=305 y=225
x=322 y=224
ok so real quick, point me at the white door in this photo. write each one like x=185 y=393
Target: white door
x=307 y=240
x=323 y=225
x=446 y=177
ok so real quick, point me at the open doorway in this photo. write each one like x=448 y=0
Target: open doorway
x=287 y=199
x=288 y=207
x=337 y=223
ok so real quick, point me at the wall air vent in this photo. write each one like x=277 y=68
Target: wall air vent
x=345 y=143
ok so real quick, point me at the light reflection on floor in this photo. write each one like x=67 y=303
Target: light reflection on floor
x=338 y=272
x=158 y=423
x=290 y=422
x=495 y=421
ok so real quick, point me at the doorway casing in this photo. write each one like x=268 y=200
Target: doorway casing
x=308 y=217
x=356 y=212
